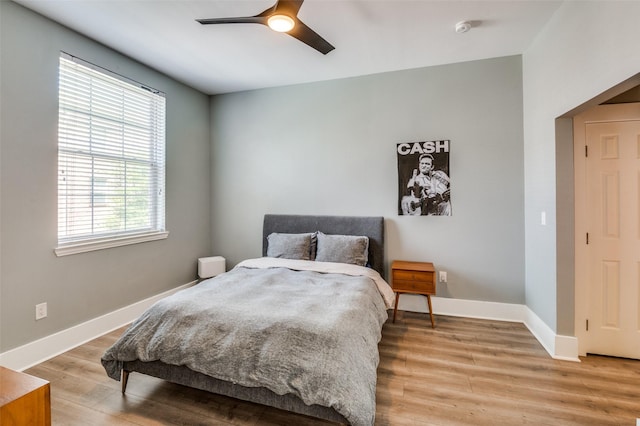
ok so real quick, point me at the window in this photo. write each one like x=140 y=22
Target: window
x=111 y=144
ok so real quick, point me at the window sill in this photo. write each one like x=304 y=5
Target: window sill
x=85 y=246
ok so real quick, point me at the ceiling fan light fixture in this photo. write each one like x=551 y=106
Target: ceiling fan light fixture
x=281 y=23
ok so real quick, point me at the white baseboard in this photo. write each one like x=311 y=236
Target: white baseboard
x=559 y=347
x=566 y=348
x=43 y=349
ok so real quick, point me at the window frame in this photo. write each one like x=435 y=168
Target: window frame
x=155 y=186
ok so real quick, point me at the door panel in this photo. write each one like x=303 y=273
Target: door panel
x=613 y=220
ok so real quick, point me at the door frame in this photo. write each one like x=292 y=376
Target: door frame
x=600 y=113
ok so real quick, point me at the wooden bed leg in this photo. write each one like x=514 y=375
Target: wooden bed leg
x=125 y=378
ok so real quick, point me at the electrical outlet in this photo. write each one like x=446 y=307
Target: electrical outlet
x=41 y=310
x=443 y=277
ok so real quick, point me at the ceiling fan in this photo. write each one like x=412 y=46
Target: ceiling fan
x=282 y=17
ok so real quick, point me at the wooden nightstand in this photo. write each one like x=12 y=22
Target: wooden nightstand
x=414 y=278
x=24 y=399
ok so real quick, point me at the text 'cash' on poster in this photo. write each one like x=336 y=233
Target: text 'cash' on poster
x=423 y=178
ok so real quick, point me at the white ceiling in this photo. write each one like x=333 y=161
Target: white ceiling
x=370 y=36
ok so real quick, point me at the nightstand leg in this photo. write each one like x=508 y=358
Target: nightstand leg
x=433 y=325
x=395 y=307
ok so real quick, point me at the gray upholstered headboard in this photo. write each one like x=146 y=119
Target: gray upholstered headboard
x=372 y=227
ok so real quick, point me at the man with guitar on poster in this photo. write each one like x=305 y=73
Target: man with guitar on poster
x=427 y=191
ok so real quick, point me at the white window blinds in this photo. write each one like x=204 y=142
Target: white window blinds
x=111 y=150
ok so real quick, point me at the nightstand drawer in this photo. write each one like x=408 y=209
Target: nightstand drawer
x=414 y=286
x=403 y=275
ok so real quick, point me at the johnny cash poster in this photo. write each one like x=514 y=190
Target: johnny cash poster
x=423 y=178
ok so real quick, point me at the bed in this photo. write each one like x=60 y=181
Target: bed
x=304 y=339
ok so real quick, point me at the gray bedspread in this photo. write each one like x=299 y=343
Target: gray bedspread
x=311 y=334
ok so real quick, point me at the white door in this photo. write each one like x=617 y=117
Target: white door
x=612 y=218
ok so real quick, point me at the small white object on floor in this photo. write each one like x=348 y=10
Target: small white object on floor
x=211 y=266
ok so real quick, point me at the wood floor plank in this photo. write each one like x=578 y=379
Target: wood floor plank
x=463 y=372
x=70 y=414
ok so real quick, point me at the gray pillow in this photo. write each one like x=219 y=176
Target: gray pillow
x=343 y=249
x=289 y=246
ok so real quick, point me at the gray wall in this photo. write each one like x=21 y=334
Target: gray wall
x=329 y=148
x=585 y=49
x=84 y=286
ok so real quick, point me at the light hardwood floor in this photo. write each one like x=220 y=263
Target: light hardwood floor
x=463 y=372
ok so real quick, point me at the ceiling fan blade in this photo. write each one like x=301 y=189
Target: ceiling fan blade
x=287 y=7
x=310 y=37
x=235 y=20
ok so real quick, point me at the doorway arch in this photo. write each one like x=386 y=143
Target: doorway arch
x=569 y=295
